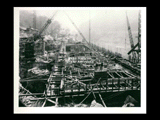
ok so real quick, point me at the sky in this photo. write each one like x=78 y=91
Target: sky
x=78 y=16
x=81 y=16
x=108 y=25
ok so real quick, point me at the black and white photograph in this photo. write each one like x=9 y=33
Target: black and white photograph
x=79 y=60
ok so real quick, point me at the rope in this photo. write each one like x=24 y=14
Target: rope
x=89 y=93
x=113 y=95
x=84 y=99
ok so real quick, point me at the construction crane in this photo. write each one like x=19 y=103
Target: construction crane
x=138 y=45
x=36 y=36
x=39 y=35
x=47 y=24
x=133 y=59
x=139 y=36
x=29 y=45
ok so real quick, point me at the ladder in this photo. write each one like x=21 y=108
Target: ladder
x=56 y=79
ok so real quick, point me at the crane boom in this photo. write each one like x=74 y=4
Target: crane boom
x=139 y=36
x=133 y=59
x=47 y=24
x=139 y=29
x=130 y=33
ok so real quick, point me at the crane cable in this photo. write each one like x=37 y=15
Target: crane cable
x=91 y=47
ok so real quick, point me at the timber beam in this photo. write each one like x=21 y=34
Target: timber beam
x=33 y=80
x=32 y=94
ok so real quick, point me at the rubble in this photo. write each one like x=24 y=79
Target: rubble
x=95 y=104
x=38 y=71
x=128 y=105
x=81 y=105
x=129 y=101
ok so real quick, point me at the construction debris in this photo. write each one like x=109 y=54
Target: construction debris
x=81 y=105
x=130 y=99
x=38 y=71
x=95 y=104
x=128 y=105
x=76 y=69
x=129 y=102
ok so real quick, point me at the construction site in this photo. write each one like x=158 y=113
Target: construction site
x=61 y=72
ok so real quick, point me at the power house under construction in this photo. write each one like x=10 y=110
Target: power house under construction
x=77 y=74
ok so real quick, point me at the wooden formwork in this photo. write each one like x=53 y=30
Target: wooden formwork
x=78 y=87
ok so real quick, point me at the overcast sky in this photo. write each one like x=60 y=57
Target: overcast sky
x=112 y=17
x=80 y=15
x=108 y=25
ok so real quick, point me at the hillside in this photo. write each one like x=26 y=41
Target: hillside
x=26 y=20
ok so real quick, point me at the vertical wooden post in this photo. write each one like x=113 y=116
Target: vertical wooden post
x=100 y=86
x=86 y=87
x=106 y=84
x=71 y=90
x=64 y=94
x=132 y=84
x=125 y=83
x=43 y=46
x=137 y=83
x=64 y=87
x=118 y=84
x=112 y=85
x=128 y=83
x=78 y=88
x=64 y=100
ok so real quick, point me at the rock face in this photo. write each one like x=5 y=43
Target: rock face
x=95 y=104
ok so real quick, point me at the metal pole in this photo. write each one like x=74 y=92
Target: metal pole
x=43 y=45
x=81 y=34
x=34 y=19
x=139 y=35
x=89 y=28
